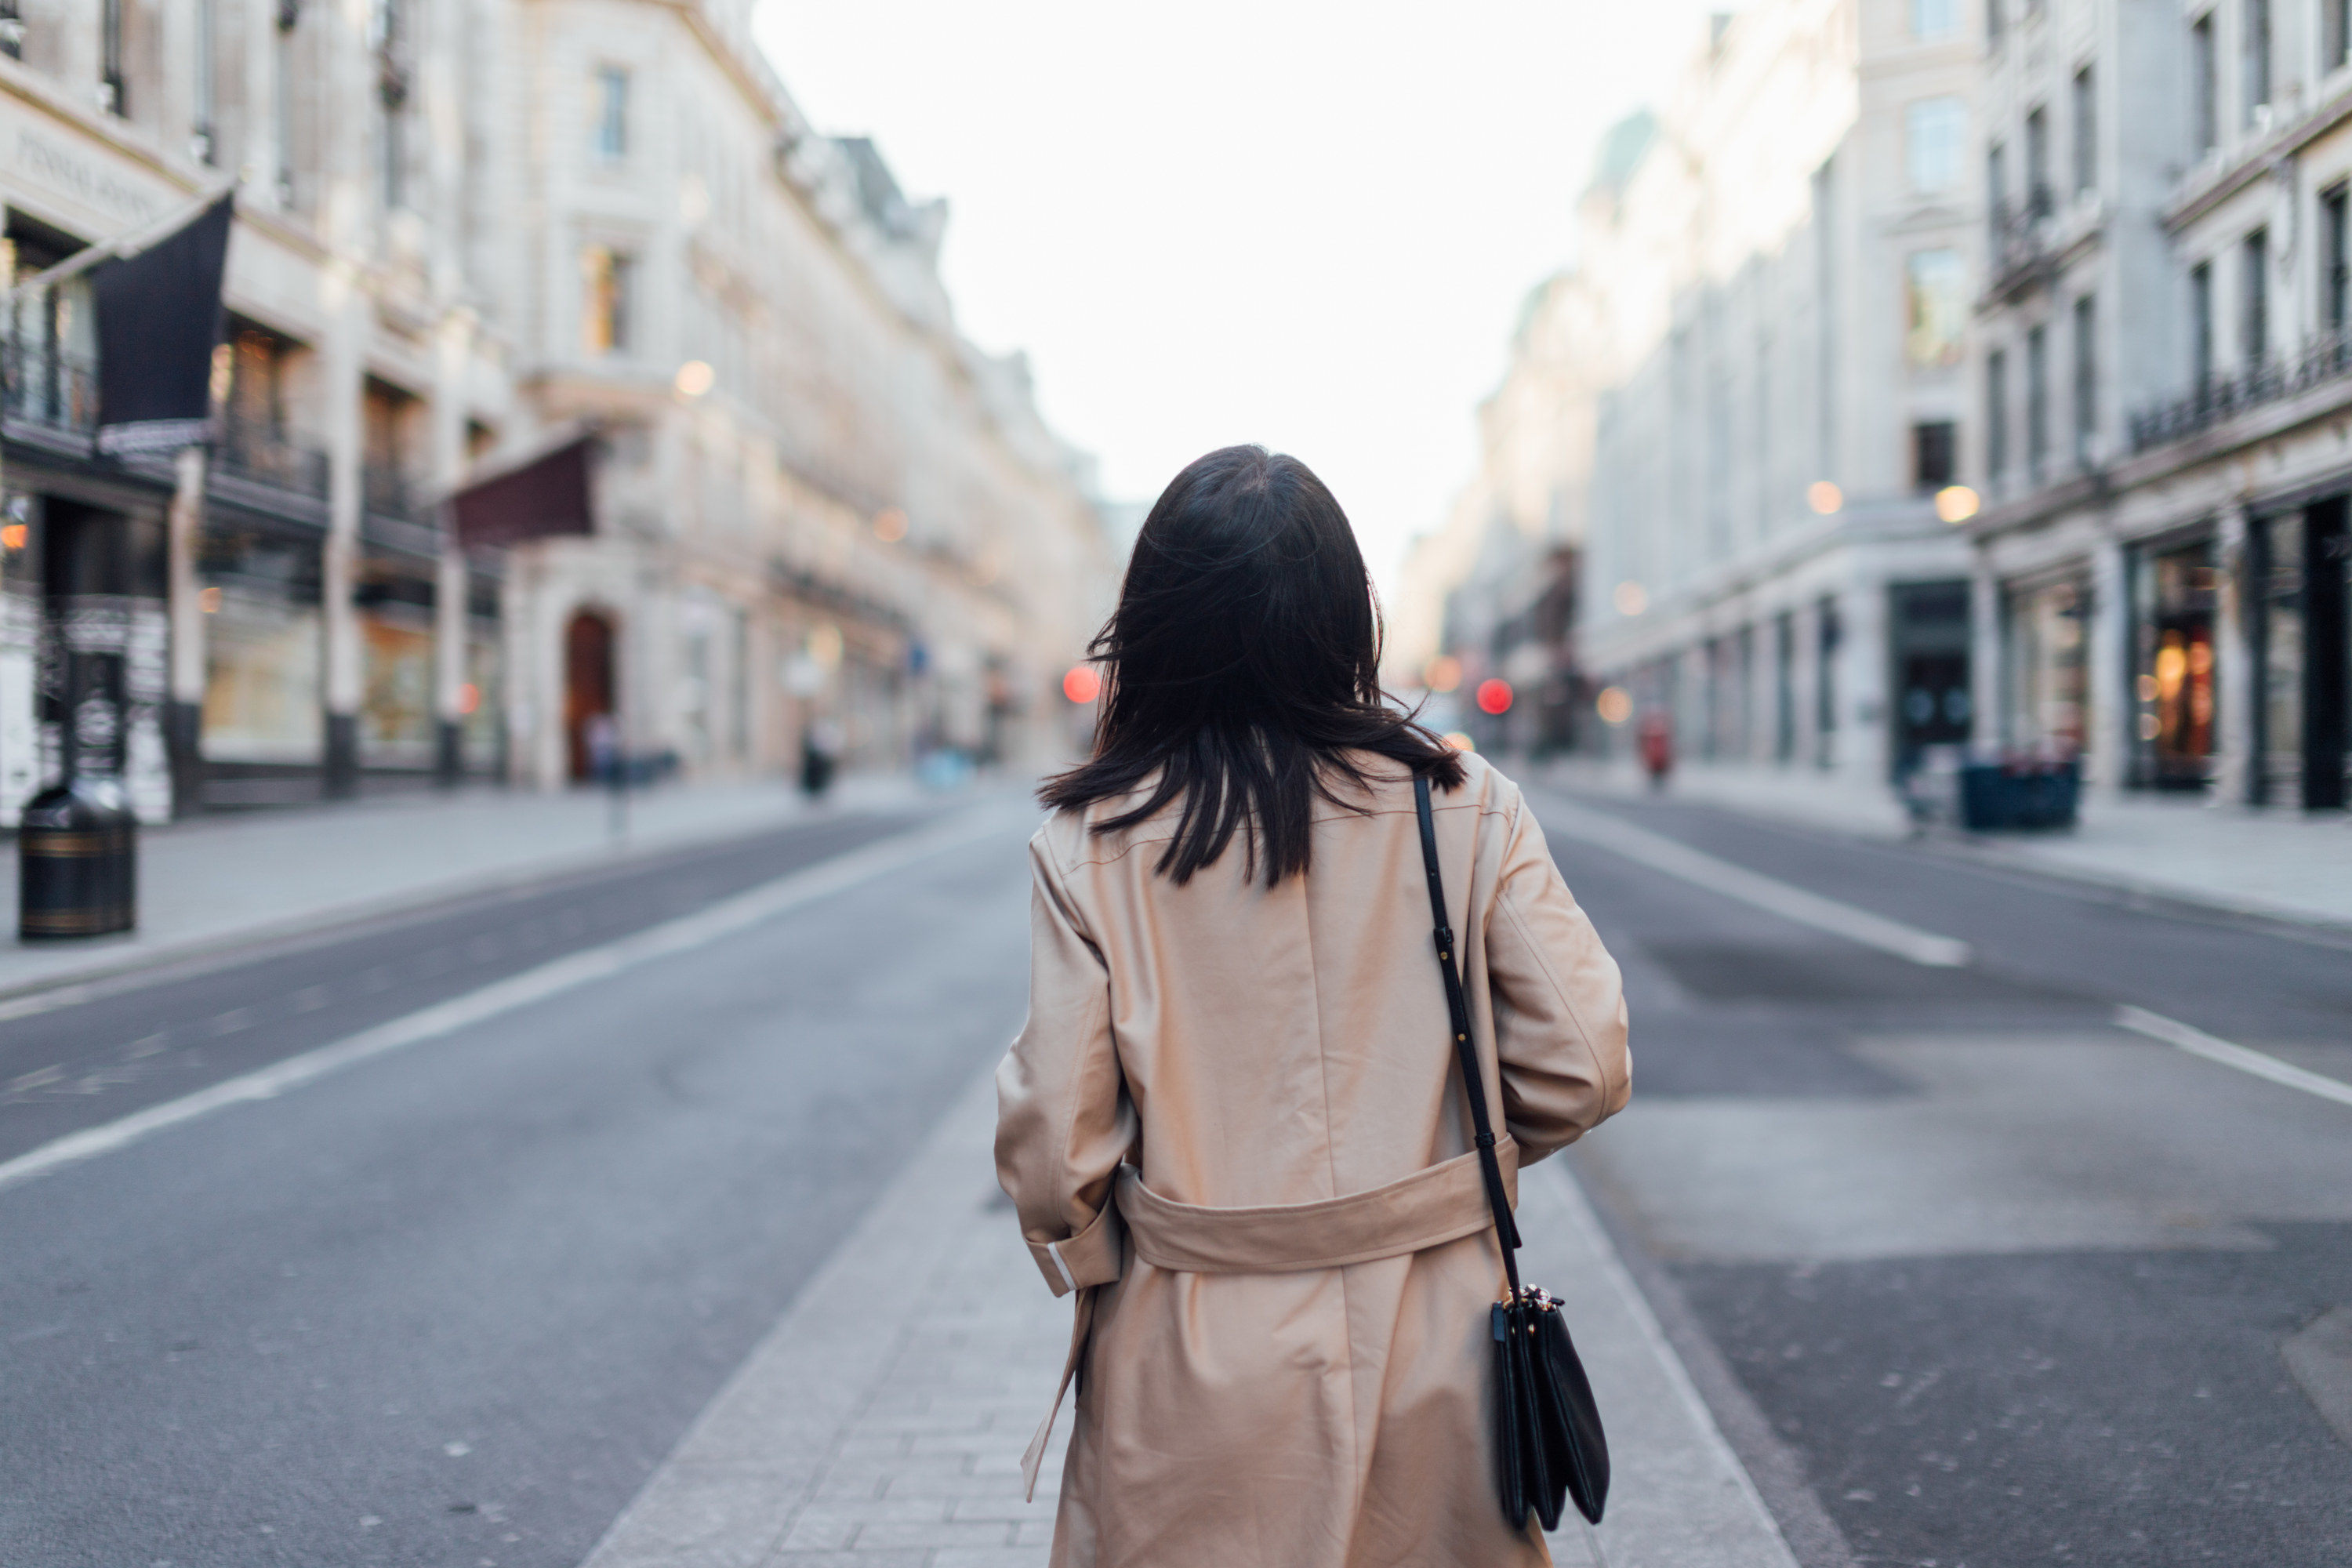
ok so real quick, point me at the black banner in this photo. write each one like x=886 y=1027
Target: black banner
x=159 y=320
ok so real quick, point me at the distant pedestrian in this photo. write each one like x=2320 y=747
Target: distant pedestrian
x=1657 y=746
x=820 y=756
x=1232 y=1123
x=604 y=742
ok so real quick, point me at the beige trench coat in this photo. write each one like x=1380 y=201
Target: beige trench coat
x=1292 y=1387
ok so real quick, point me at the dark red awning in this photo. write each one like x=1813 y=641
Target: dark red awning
x=549 y=495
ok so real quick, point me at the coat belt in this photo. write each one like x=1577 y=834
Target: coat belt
x=1443 y=1202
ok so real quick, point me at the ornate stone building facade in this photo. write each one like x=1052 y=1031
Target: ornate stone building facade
x=471 y=234
x=2161 y=570
x=1769 y=316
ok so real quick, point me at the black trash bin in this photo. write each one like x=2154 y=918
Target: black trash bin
x=2022 y=793
x=76 y=862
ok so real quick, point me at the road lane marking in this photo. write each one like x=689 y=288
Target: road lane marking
x=2198 y=1043
x=1769 y=894
x=725 y=918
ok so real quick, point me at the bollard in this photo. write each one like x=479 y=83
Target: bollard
x=76 y=862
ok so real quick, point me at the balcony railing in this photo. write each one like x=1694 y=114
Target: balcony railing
x=2323 y=357
x=2020 y=230
x=386 y=491
x=41 y=384
x=266 y=457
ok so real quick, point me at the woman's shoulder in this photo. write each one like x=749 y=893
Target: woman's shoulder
x=1073 y=836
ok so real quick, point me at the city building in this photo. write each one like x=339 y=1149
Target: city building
x=1768 y=560
x=274 y=598
x=2162 y=363
x=814 y=500
x=1494 y=591
x=572 y=387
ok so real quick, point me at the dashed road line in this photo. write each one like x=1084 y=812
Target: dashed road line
x=1771 y=895
x=2230 y=1054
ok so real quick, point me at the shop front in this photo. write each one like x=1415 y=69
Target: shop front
x=2296 y=624
x=1927 y=637
x=262 y=734
x=2046 y=658
x=2174 y=594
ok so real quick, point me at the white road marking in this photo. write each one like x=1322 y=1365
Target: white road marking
x=550 y=979
x=1769 y=894
x=2198 y=1043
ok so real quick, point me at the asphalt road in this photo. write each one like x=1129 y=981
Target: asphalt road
x=1986 y=1280
x=2007 y=1283
x=452 y=1305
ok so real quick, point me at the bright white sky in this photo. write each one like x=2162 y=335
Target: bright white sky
x=1304 y=223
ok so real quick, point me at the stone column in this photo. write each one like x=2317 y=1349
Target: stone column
x=1861 y=748
x=1804 y=681
x=2237 y=684
x=1763 y=685
x=183 y=718
x=350 y=228
x=1989 y=718
x=2108 y=731
x=345 y=675
x=449 y=590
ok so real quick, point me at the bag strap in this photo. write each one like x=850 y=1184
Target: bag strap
x=1465 y=1051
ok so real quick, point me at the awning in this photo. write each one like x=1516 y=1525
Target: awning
x=549 y=495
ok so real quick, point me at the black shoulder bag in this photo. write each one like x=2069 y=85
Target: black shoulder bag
x=1547 y=1440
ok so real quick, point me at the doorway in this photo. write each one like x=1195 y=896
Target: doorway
x=587 y=687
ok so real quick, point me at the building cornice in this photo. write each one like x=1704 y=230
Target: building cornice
x=2227 y=439
x=2194 y=201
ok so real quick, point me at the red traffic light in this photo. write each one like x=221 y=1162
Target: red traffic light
x=1494 y=697
x=1082 y=685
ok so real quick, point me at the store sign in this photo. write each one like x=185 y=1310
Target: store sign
x=57 y=165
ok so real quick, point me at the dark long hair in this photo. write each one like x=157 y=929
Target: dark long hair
x=1243 y=669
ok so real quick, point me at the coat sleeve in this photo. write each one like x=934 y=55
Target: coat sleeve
x=1559 y=1003
x=1063 y=1118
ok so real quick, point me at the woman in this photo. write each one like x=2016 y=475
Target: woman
x=1235 y=1005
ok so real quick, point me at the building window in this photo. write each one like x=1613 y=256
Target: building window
x=281 y=107
x=1997 y=186
x=1938 y=129
x=1933 y=21
x=1938 y=307
x=2206 y=81
x=2037 y=161
x=2086 y=381
x=2335 y=33
x=2254 y=299
x=1934 y=454
x=1996 y=416
x=200 y=136
x=114 y=89
x=390 y=41
x=2037 y=403
x=2200 y=325
x=396 y=156
x=611 y=141
x=1996 y=22
x=2336 y=284
x=2086 y=132
x=604 y=300
x=2257 y=42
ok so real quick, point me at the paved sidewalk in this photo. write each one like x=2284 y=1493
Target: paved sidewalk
x=220 y=880
x=2287 y=864
x=881 y=1423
